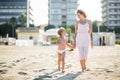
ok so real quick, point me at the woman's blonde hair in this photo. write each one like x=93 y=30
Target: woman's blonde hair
x=82 y=12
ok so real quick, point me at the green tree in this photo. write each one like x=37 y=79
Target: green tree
x=103 y=28
x=13 y=23
x=49 y=27
x=68 y=30
x=22 y=19
x=64 y=26
x=72 y=28
x=94 y=26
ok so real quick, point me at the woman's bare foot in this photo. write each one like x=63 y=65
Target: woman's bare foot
x=63 y=71
x=85 y=67
x=83 y=70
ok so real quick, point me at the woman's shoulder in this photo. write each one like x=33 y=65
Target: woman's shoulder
x=88 y=20
x=77 y=21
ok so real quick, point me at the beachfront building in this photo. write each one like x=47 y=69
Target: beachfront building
x=104 y=39
x=62 y=12
x=111 y=13
x=13 y=8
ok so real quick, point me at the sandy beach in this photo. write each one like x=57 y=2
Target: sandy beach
x=40 y=63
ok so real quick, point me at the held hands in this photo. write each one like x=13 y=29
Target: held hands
x=73 y=46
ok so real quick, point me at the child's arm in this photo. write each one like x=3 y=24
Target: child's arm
x=70 y=46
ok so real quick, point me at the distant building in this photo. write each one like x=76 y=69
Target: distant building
x=111 y=13
x=13 y=8
x=27 y=33
x=62 y=12
x=104 y=39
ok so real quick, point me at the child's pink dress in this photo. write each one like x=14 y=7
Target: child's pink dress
x=83 y=40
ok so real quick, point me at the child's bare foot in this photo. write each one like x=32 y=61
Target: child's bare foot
x=83 y=70
x=58 y=69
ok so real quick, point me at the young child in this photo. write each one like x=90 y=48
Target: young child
x=62 y=44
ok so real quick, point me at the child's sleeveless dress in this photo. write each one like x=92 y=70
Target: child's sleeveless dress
x=83 y=40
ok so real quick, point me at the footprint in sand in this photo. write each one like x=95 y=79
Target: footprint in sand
x=109 y=71
x=94 y=74
x=19 y=60
x=3 y=71
x=88 y=69
x=8 y=66
x=106 y=77
x=13 y=64
x=68 y=66
x=39 y=70
x=22 y=73
x=2 y=63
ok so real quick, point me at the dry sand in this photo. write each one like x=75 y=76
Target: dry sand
x=40 y=63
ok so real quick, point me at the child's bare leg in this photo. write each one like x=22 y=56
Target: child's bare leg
x=63 y=61
x=59 y=60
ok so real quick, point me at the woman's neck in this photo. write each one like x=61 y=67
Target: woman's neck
x=83 y=20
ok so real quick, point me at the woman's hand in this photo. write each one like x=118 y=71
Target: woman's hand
x=74 y=45
x=92 y=44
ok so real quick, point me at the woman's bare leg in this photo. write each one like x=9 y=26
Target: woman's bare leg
x=82 y=65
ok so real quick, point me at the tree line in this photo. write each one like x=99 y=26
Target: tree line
x=11 y=26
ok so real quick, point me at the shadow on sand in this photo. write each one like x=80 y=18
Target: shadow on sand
x=54 y=76
x=46 y=76
x=69 y=76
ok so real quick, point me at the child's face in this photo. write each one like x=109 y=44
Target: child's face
x=63 y=33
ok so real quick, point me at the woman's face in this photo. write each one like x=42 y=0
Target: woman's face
x=80 y=16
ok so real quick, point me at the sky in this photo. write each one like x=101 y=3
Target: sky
x=40 y=10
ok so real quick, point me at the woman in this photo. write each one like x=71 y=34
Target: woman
x=83 y=37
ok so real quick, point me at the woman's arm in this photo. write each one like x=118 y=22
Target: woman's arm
x=76 y=28
x=91 y=33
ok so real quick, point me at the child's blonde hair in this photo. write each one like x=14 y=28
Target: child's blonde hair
x=60 y=31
